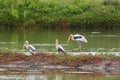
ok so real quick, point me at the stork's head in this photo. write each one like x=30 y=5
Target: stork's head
x=77 y=37
x=69 y=38
x=26 y=43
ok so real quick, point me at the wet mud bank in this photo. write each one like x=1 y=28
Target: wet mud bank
x=53 y=61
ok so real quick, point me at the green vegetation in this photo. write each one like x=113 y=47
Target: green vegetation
x=59 y=14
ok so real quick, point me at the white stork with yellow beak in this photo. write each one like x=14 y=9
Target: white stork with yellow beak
x=77 y=37
x=29 y=47
x=59 y=48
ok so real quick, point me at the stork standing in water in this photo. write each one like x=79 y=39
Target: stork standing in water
x=59 y=48
x=29 y=47
x=77 y=37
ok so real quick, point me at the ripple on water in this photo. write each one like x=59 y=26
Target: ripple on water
x=78 y=72
x=9 y=77
x=104 y=35
x=1 y=69
x=46 y=44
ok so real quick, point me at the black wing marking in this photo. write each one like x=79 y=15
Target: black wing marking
x=77 y=37
x=60 y=50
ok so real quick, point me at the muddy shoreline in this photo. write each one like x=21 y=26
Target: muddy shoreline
x=52 y=61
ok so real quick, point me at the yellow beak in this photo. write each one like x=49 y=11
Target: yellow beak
x=56 y=42
x=68 y=40
x=23 y=45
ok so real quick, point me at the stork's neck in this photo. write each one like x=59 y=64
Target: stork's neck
x=27 y=46
x=56 y=44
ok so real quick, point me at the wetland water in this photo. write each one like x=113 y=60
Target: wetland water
x=54 y=74
x=45 y=41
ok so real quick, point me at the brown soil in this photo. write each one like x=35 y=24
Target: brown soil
x=45 y=59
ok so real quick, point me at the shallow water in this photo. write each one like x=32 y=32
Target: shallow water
x=45 y=41
x=55 y=74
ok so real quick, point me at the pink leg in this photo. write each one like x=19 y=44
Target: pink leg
x=79 y=45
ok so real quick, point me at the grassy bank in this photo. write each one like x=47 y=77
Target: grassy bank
x=60 y=14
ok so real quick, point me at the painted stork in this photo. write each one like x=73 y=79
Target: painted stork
x=29 y=47
x=59 y=48
x=77 y=37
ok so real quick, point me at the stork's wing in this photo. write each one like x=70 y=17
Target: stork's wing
x=60 y=47
x=78 y=37
x=31 y=47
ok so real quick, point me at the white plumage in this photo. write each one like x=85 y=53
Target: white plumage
x=29 y=47
x=77 y=37
x=59 y=48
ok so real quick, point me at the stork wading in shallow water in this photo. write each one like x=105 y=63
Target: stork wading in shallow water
x=59 y=48
x=77 y=37
x=29 y=47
